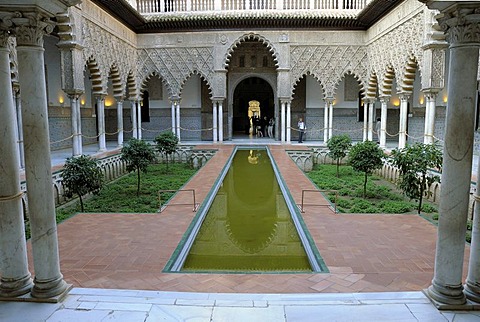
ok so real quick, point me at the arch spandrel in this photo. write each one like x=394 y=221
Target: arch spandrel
x=329 y=64
x=144 y=83
x=176 y=64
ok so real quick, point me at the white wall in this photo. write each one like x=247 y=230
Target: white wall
x=314 y=93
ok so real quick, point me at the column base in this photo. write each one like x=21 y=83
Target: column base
x=445 y=298
x=49 y=289
x=472 y=292
x=22 y=286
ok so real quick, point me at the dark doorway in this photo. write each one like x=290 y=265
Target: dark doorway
x=252 y=88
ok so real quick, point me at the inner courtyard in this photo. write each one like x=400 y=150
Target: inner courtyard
x=84 y=77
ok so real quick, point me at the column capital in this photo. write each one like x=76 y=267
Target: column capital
x=285 y=100
x=384 y=99
x=404 y=96
x=6 y=26
x=30 y=28
x=73 y=94
x=218 y=100
x=461 y=23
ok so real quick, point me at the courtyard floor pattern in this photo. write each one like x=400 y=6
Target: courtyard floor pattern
x=364 y=253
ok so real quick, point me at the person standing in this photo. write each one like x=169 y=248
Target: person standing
x=378 y=127
x=271 y=123
x=301 y=130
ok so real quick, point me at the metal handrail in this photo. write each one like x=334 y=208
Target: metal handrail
x=162 y=207
x=303 y=204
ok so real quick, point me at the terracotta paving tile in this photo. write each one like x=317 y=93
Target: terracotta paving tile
x=364 y=253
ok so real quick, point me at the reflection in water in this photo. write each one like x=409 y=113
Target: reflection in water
x=248 y=226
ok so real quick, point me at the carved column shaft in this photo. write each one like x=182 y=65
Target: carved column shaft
x=220 y=121
x=383 y=122
x=365 y=121
x=402 y=127
x=325 y=123
x=463 y=33
x=330 y=119
x=214 y=120
x=102 y=142
x=133 y=115
x=289 y=121
x=371 y=106
x=15 y=277
x=120 y=121
x=29 y=32
x=139 y=120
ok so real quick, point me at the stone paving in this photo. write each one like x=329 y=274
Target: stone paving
x=364 y=253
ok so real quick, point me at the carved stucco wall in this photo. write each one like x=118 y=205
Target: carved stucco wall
x=176 y=65
x=108 y=42
x=328 y=64
x=395 y=40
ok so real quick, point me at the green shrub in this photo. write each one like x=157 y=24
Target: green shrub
x=428 y=208
x=396 y=207
x=435 y=217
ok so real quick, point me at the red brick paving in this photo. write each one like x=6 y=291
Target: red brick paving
x=364 y=253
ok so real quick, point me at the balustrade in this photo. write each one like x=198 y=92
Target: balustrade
x=178 y=6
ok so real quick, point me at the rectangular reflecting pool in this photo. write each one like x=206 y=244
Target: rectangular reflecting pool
x=247 y=225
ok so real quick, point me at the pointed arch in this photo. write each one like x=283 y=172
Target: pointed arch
x=302 y=76
x=361 y=84
x=144 y=83
x=202 y=77
x=251 y=36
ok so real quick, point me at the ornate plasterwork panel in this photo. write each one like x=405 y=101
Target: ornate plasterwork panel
x=175 y=65
x=395 y=47
x=328 y=64
x=107 y=50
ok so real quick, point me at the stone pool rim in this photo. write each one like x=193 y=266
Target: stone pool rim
x=178 y=257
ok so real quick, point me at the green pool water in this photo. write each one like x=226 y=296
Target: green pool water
x=248 y=226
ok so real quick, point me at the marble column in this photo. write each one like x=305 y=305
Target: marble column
x=139 y=120
x=430 y=107
x=79 y=128
x=330 y=119
x=120 y=121
x=383 y=122
x=48 y=280
x=133 y=114
x=177 y=118
x=15 y=277
x=370 y=121
x=402 y=128
x=172 y=114
x=18 y=128
x=472 y=284
x=325 y=123
x=74 y=119
x=282 y=121
x=365 y=121
x=220 y=121
x=102 y=142
x=462 y=26
x=215 y=122
x=289 y=121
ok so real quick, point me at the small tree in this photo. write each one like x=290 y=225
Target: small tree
x=166 y=144
x=81 y=175
x=366 y=157
x=414 y=163
x=138 y=155
x=339 y=146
